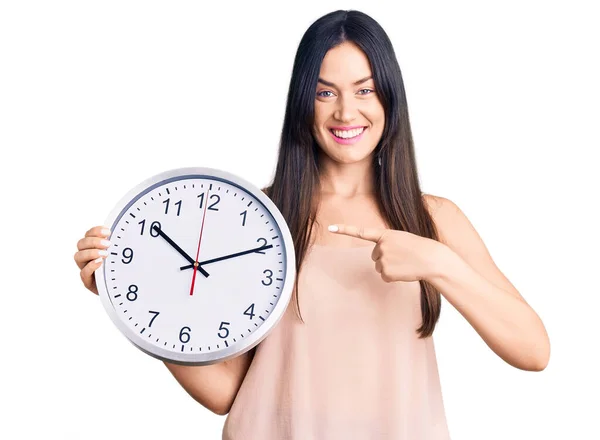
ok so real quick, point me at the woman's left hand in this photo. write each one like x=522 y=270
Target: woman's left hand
x=398 y=255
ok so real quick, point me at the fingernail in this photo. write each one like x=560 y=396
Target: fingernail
x=98 y=260
x=105 y=232
x=333 y=228
x=103 y=253
x=105 y=243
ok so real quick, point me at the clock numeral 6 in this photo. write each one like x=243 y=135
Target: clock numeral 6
x=185 y=335
x=153 y=233
x=128 y=257
x=211 y=207
x=269 y=277
x=224 y=328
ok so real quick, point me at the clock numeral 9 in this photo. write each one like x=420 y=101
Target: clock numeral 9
x=153 y=233
x=178 y=204
x=185 y=335
x=211 y=207
x=269 y=277
x=132 y=292
x=224 y=328
x=128 y=257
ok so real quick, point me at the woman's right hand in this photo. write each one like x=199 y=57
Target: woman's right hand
x=214 y=386
x=91 y=250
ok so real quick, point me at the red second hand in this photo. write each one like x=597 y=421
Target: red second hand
x=199 y=241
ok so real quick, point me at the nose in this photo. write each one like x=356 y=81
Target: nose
x=345 y=109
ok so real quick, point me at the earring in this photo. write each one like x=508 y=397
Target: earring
x=379 y=159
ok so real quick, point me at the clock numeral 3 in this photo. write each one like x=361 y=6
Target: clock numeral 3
x=269 y=277
x=132 y=292
x=185 y=335
x=224 y=328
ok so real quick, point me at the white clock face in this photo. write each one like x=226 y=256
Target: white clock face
x=199 y=267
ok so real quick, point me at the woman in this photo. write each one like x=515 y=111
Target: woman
x=353 y=356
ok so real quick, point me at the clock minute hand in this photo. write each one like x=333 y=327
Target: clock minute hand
x=160 y=232
x=226 y=257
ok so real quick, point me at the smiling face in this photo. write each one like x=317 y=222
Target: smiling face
x=349 y=117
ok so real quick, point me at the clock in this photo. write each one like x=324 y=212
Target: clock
x=201 y=266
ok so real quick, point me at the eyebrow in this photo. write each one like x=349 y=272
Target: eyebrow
x=330 y=84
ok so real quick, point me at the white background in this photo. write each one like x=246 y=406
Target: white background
x=98 y=96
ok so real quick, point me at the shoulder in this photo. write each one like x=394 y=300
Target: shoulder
x=450 y=222
x=440 y=207
x=432 y=203
x=457 y=232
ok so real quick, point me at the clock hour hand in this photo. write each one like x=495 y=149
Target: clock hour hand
x=160 y=232
x=226 y=257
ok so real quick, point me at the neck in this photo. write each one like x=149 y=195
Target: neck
x=347 y=179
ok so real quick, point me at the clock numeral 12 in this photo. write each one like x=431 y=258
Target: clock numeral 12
x=211 y=207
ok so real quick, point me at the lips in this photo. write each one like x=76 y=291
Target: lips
x=347 y=127
x=347 y=132
x=349 y=136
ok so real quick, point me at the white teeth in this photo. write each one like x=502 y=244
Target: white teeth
x=347 y=134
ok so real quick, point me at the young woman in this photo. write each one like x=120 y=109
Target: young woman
x=353 y=356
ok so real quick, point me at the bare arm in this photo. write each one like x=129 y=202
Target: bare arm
x=469 y=279
x=214 y=386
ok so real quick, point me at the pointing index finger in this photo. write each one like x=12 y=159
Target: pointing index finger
x=371 y=234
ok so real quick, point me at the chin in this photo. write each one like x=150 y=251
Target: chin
x=351 y=159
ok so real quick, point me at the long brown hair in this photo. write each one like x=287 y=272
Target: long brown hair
x=295 y=185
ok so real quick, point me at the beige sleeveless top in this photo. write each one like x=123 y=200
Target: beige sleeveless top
x=354 y=370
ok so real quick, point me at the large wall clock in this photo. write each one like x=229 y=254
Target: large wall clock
x=201 y=266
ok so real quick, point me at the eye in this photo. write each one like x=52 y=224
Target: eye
x=366 y=90
x=325 y=91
